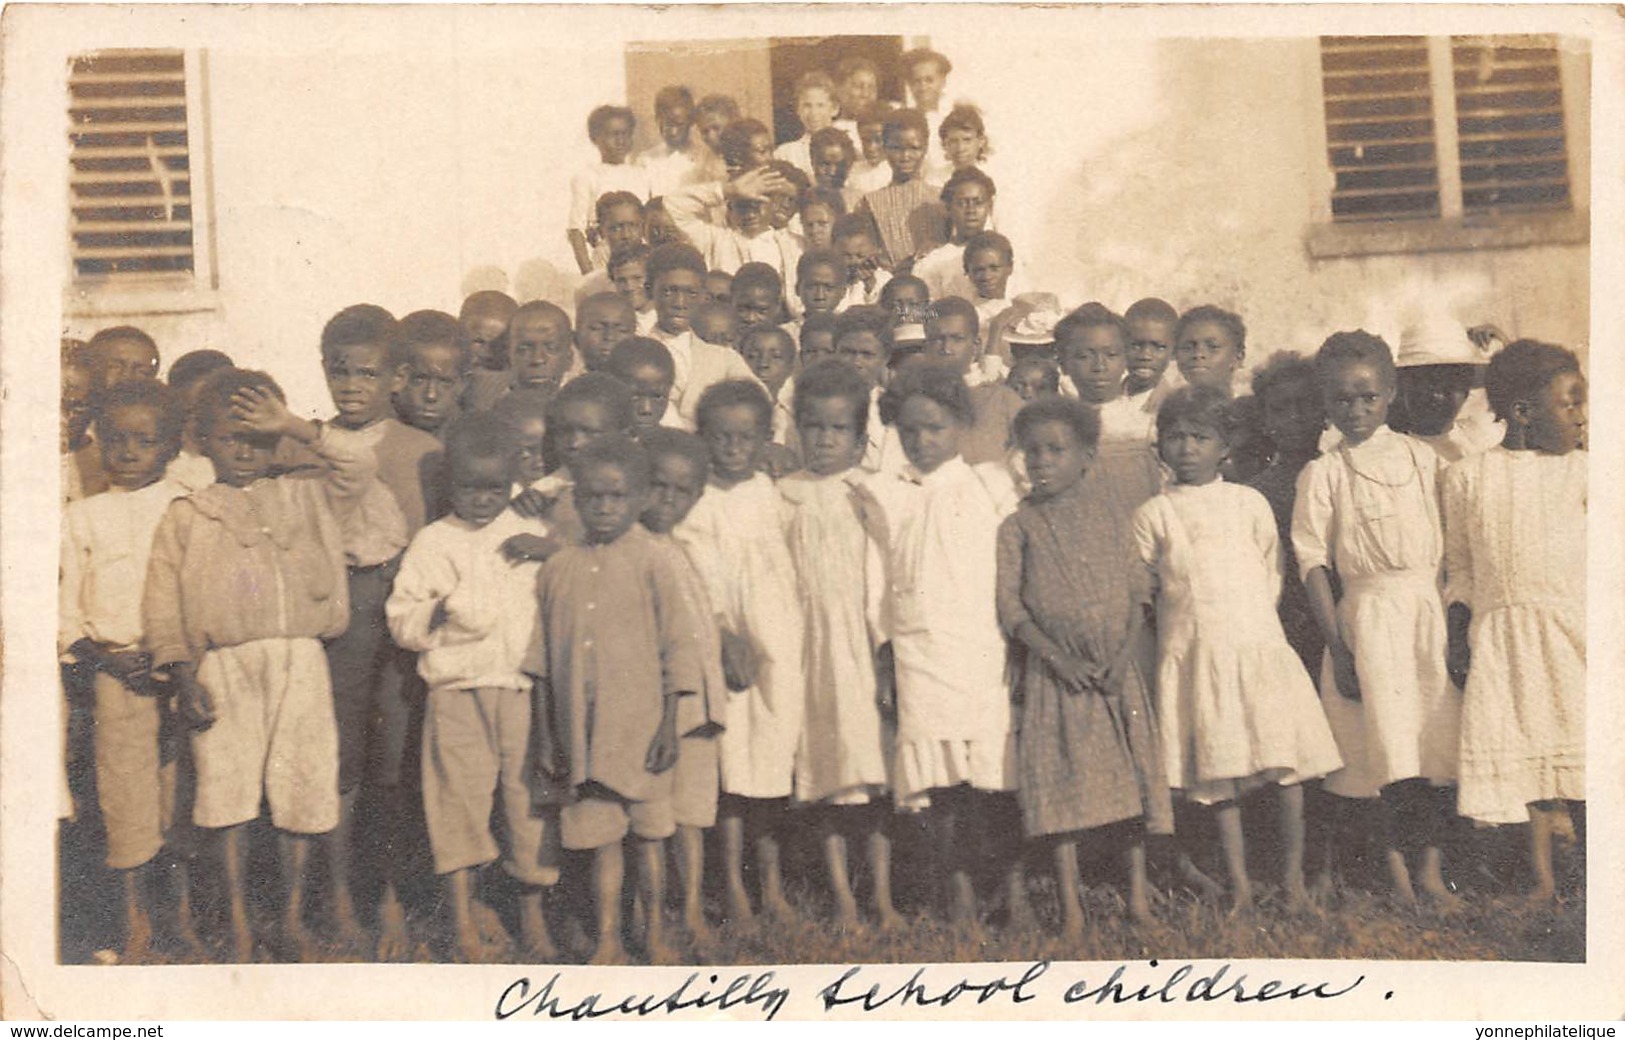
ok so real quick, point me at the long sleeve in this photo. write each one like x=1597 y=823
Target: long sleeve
x=426 y=577
x=688 y=208
x=70 y=613
x=1312 y=519
x=682 y=648
x=350 y=464
x=698 y=540
x=1012 y=610
x=161 y=599
x=1458 y=555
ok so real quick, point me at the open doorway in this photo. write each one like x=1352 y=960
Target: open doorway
x=790 y=58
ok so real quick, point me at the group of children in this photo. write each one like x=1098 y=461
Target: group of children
x=770 y=524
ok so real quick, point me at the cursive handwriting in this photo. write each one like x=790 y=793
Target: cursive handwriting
x=1205 y=988
x=915 y=993
x=747 y=990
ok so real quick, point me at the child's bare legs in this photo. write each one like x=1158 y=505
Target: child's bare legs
x=691 y=872
x=1139 y=902
x=996 y=816
x=294 y=851
x=179 y=870
x=1325 y=819
x=732 y=821
x=1542 y=821
x=1228 y=816
x=880 y=870
x=340 y=850
x=1290 y=803
x=468 y=945
x=947 y=811
x=766 y=817
x=840 y=885
x=652 y=881
x=233 y=863
x=393 y=943
x=138 y=917
x=1066 y=878
x=535 y=942
x=609 y=873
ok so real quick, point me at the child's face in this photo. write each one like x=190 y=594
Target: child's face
x=600 y=325
x=651 y=395
x=817 y=345
x=1093 y=358
x=540 y=343
x=821 y=288
x=76 y=384
x=1150 y=345
x=677 y=293
x=240 y=455
x=710 y=125
x=865 y=352
x=631 y=280
x=1294 y=417
x=950 y=336
x=577 y=425
x=929 y=432
x=816 y=109
x=481 y=488
x=434 y=382
x=659 y=228
x=614 y=139
x=1357 y=397
x=963 y=147
x=1193 y=451
x=755 y=304
x=830 y=166
x=859 y=92
x=758 y=152
x=989 y=271
x=1432 y=396
x=487 y=338
x=748 y=216
x=907 y=299
x=718 y=326
x=858 y=253
x=119 y=361
x=622 y=226
x=134 y=447
x=925 y=82
x=829 y=435
x=905 y=150
x=1249 y=455
x=735 y=439
x=674 y=486
x=1557 y=416
x=608 y=500
x=1208 y=355
x=1056 y=459
x=872 y=136
x=531 y=448
x=969 y=209
x=781 y=209
x=818 y=224
x=719 y=287
x=771 y=355
x=675 y=120
x=363 y=383
x=1031 y=382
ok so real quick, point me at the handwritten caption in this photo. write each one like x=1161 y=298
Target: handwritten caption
x=872 y=989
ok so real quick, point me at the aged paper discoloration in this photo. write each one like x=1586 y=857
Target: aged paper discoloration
x=411 y=155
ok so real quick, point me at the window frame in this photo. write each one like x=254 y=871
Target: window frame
x=179 y=292
x=1453 y=230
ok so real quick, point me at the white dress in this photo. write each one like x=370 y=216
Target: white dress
x=940 y=534
x=736 y=539
x=1235 y=704
x=845 y=747
x=1370 y=515
x=1515 y=552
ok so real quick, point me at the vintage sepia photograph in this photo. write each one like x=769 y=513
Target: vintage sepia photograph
x=793 y=486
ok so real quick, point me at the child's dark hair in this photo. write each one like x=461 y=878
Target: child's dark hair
x=1152 y=309
x=990 y=240
x=817 y=321
x=1048 y=371
x=664 y=442
x=864 y=318
x=630 y=253
x=599 y=118
x=118 y=332
x=734 y=144
x=489 y=302
x=962 y=117
x=482 y=435
x=600 y=388
x=898 y=120
x=854 y=63
x=757 y=275
x=719 y=104
x=830 y=135
x=214 y=396
x=1352 y=348
x=674 y=256
x=730 y=393
x=165 y=403
x=610 y=199
x=817 y=196
x=428 y=328
x=1083 y=420
x=889 y=291
x=629 y=355
x=547 y=307
x=1522 y=369
x=620 y=450
x=955 y=307
x=521 y=404
x=924 y=54
x=1203 y=406
x=1230 y=321
x=668 y=96
x=765 y=328
x=192 y=366
x=820 y=257
x=854 y=224
x=608 y=297
x=792 y=173
x=1282 y=367
x=969 y=175
x=1089 y=316
x=834 y=379
x=932 y=379
x=362 y=323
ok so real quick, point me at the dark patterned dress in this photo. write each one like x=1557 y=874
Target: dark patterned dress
x=1279 y=485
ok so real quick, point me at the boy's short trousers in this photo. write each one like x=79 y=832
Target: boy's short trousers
x=475 y=742
x=603 y=818
x=273 y=737
x=374 y=692
x=695 y=781
x=135 y=788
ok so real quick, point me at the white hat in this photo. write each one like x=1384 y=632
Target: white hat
x=912 y=332
x=1437 y=340
x=1037 y=326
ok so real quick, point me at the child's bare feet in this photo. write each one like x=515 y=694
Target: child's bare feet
x=1399 y=874
x=393 y=942
x=347 y=931
x=1323 y=888
x=846 y=911
x=242 y=941
x=1241 y=900
x=775 y=906
x=535 y=943
x=489 y=924
x=1204 y=886
x=1139 y=907
x=1297 y=897
x=609 y=951
x=887 y=919
x=962 y=902
x=292 y=943
x=472 y=947
x=658 y=951
x=695 y=925
x=738 y=906
x=137 y=938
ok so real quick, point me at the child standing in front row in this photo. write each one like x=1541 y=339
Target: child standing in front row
x=1238 y=710
x=1515 y=554
x=1071 y=595
x=469 y=612
x=249 y=671
x=1367 y=518
x=735 y=537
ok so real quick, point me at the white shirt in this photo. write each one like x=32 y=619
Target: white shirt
x=598 y=180
x=106 y=545
x=698 y=365
x=671 y=168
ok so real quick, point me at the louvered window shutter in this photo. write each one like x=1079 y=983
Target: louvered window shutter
x=1509 y=114
x=1379 y=127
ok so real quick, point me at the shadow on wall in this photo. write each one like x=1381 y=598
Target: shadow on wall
x=536 y=279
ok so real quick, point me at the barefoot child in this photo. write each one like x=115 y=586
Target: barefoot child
x=436 y=371
x=1071 y=596
x=1238 y=710
x=1515 y=554
x=468 y=610
x=1367 y=518
x=236 y=661
x=106 y=544
x=845 y=758
x=735 y=537
x=623 y=649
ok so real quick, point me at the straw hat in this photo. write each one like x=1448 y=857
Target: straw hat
x=1437 y=339
x=1037 y=326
